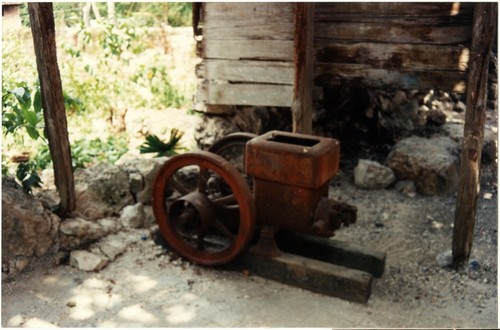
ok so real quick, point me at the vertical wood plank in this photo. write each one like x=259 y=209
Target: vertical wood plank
x=43 y=30
x=484 y=27
x=302 y=101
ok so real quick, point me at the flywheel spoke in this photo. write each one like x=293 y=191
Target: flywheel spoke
x=202 y=179
x=178 y=186
x=223 y=229
x=229 y=199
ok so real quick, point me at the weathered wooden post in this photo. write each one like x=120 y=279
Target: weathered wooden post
x=43 y=30
x=302 y=102
x=483 y=34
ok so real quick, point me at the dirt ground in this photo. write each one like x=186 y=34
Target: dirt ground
x=148 y=287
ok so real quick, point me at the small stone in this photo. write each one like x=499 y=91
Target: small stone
x=445 y=259
x=84 y=260
x=474 y=264
x=136 y=182
x=132 y=216
x=369 y=174
x=437 y=225
x=71 y=304
x=487 y=195
x=112 y=246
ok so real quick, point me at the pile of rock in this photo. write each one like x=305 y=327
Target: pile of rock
x=113 y=203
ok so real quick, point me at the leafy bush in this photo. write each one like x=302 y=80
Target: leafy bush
x=108 y=68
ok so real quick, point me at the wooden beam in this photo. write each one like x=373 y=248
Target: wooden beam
x=244 y=94
x=265 y=72
x=395 y=56
x=302 y=102
x=363 y=75
x=393 y=33
x=247 y=49
x=484 y=27
x=54 y=113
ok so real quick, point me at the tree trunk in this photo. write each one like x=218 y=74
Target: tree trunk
x=484 y=27
x=302 y=102
x=43 y=30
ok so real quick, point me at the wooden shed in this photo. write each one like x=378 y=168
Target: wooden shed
x=278 y=54
x=247 y=49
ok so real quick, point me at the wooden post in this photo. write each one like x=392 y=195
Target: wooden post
x=43 y=30
x=302 y=102
x=484 y=27
x=196 y=15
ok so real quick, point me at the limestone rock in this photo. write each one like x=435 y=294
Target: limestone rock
x=150 y=216
x=136 y=183
x=87 y=261
x=142 y=173
x=445 y=259
x=112 y=246
x=28 y=230
x=369 y=174
x=133 y=216
x=490 y=144
x=432 y=163
x=77 y=231
x=101 y=190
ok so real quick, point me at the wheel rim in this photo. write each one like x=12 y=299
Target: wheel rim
x=232 y=148
x=208 y=220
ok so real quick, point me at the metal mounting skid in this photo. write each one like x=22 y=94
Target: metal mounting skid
x=209 y=205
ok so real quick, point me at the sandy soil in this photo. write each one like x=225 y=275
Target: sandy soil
x=148 y=286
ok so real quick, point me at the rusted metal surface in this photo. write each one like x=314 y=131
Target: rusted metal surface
x=291 y=175
x=210 y=217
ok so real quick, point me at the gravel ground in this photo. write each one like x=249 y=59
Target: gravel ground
x=148 y=286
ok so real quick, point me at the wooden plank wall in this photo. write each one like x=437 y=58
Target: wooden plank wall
x=247 y=48
x=398 y=44
x=247 y=52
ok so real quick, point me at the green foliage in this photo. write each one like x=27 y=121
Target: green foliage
x=112 y=67
x=105 y=68
x=156 y=79
x=180 y=14
x=114 y=37
x=153 y=144
x=22 y=111
x=145 y=13
x=85 y=152
x=27 y=175
x=155 y=13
